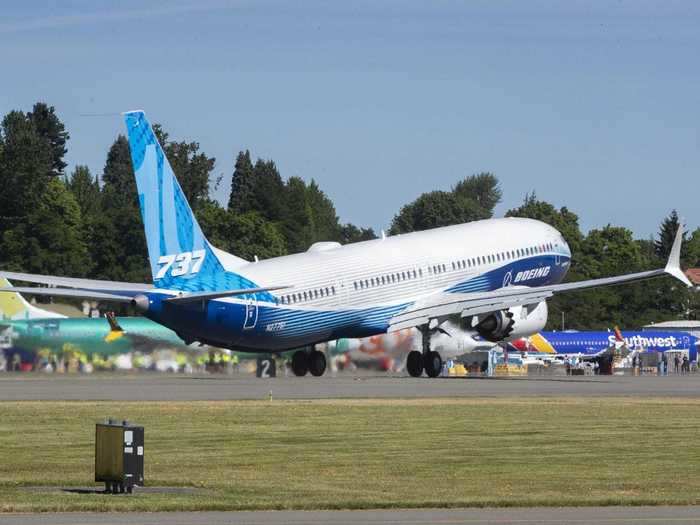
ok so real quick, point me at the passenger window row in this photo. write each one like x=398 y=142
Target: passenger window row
x=308 y=295
x=390 y=278
x=497 y=257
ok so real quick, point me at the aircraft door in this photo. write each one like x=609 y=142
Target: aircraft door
x=251 y=312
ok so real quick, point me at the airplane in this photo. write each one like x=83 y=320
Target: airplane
x=494 y=274
x=28 y=327
x=389 y=351
x=594 y=344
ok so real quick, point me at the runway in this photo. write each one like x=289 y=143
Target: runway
x=520 y=516
x=161 y=387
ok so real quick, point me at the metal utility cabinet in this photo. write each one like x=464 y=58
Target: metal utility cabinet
x=119 y=456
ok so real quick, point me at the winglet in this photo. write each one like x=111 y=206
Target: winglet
x=673 y=266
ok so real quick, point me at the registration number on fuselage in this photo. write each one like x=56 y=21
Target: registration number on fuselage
x=275 y=327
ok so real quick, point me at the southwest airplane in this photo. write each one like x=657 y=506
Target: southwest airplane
x=496 y=274
x=596 y=343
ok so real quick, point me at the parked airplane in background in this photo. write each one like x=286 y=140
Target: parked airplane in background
x=30 y=328
x=389 y=351
x=495 y=274
x=595 y=343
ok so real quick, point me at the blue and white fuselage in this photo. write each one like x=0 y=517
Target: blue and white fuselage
x=353 y=291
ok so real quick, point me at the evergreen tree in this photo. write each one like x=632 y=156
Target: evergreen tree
x=667 y=233
x=242 y=185
x=49 y=127
x=86 y=191
x=297 y=225
x=325 y=221
x=267 y=197
x=191 y=167
x=25 y=168
x=120 y=251
x=49 y=240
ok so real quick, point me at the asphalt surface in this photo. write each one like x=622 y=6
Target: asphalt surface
x=161 y=387
x=565 y=516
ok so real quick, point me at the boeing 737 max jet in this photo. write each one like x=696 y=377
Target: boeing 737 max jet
x=495 y=274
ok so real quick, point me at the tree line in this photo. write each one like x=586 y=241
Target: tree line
x=89 y=225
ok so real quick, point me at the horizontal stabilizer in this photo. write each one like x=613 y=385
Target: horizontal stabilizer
x=73 y=282
x=69 y=292
x=206 y=296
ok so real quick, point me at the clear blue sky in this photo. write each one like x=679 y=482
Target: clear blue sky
x=595 y=106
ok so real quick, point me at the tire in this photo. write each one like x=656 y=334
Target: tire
x=414 y=363
x=317 y=363
x=432 y=364
x=300 y=363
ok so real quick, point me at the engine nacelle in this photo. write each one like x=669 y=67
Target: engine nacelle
x=513 y=323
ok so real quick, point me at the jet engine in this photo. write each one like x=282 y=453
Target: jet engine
x=513 y=323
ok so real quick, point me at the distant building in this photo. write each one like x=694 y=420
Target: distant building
x=682 y=325
x=694 y=275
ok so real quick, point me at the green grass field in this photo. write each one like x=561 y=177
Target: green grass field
x=362 y=454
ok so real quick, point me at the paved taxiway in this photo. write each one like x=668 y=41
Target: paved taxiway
x=565 y=516
x=159 y=387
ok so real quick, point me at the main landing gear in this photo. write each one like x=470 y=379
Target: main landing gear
x=428 y=360
x=313 y=361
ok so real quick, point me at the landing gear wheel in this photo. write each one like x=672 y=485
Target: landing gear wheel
x=432 y=362
x=414 y=363
x=317 y=363
x=300 y=363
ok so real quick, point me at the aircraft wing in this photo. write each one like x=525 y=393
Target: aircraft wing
x=441 y=306
x=70 y=292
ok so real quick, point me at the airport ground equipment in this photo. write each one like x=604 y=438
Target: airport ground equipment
x=119 y=456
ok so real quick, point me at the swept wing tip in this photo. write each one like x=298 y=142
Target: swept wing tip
x=673 y=266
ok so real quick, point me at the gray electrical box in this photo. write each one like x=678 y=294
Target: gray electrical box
x=119 y=456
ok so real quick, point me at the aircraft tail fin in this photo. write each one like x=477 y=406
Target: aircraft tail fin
x=115 y=329
x=180 y=256
x=618 y=335
x=14 y=306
